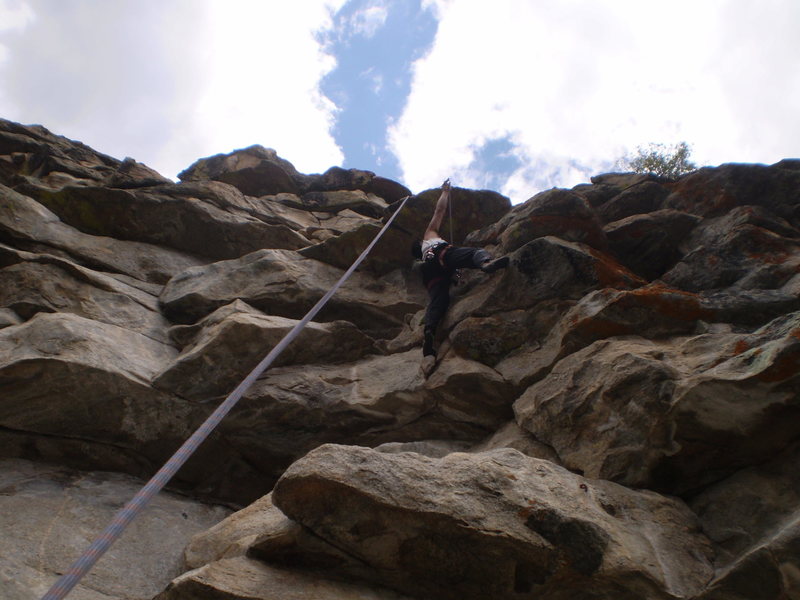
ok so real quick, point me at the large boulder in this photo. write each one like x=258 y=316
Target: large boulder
x=27 y=225
x=92 y=383
x=377 y=400
x=342 y=250
x=650 y=245
x=753 y=520
x=33 y=154
x=211 y=219
x=49 y=514
x=747 y=248
x=234 y=535
x=713 y=191
x=94 y=407
x=337 y=178
x=46 y=283
x=559 y=213
x=232 y=340
x=641 y=198
x=544 y=269
x=670 y=416
x=256 y=171
x=242 y=578
x=497 y=524
x=259 y=171
x=284 y=283
x=653 y=311
x=335 y=201
x=470 y=392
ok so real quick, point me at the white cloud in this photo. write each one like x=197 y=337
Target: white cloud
x=170 y=82
x=575 y=83
x=15 y=15
x=367 y=21
x=262 y=74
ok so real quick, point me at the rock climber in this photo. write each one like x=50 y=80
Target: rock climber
x=440 y=260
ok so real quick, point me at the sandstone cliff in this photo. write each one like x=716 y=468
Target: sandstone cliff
x=614 y=416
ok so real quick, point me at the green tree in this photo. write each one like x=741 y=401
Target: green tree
x=660 y=159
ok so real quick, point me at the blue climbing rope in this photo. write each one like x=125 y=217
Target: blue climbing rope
x=126 y=514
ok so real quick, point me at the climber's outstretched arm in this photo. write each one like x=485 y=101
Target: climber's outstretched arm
x=438 y=214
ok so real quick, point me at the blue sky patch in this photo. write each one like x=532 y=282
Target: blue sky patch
x=495 y=161
x=375 y=45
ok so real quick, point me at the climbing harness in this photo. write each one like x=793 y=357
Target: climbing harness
x=123 y=518
x=432 y=253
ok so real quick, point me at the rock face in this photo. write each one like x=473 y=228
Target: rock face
x=496 y=524
x=49 y=514
x=615 y=415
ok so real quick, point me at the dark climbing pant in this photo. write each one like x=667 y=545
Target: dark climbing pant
x=439 y=288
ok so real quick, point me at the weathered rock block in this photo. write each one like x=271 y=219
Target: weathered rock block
x=752 y=520
x=283 y=283
x=559 y=213
x=649 y=245
x=50 y=514
x=27 y=225
x=256 y=171
x=32 y=153
x=497 y=524
x=641 y=198
x=92 y=382
x=672 y=417
x=246 y=579
x=210 y=219
x=376 y=400
x=543 y=270
x=737 y=250
x=713 y=191
x=470 y=392
x=44 y=283
x=232 y=340
x=342 y=250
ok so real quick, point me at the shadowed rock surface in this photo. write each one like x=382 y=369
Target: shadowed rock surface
x=613 y=416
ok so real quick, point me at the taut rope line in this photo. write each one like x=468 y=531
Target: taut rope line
x=126 y=514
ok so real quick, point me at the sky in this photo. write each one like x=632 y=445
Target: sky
x=515 y=96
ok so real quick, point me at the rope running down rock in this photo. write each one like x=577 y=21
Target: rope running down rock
x=126 y=514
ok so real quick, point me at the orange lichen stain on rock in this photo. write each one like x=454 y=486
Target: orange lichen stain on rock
x=598 y=328
x=741 y=346
x=783 y=368
x=671 y=302
x=774 y=258
x=612 y=274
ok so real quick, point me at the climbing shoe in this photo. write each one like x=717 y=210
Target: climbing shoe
x=495 y=265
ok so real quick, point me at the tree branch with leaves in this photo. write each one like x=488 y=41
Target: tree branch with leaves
x=660 y=159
